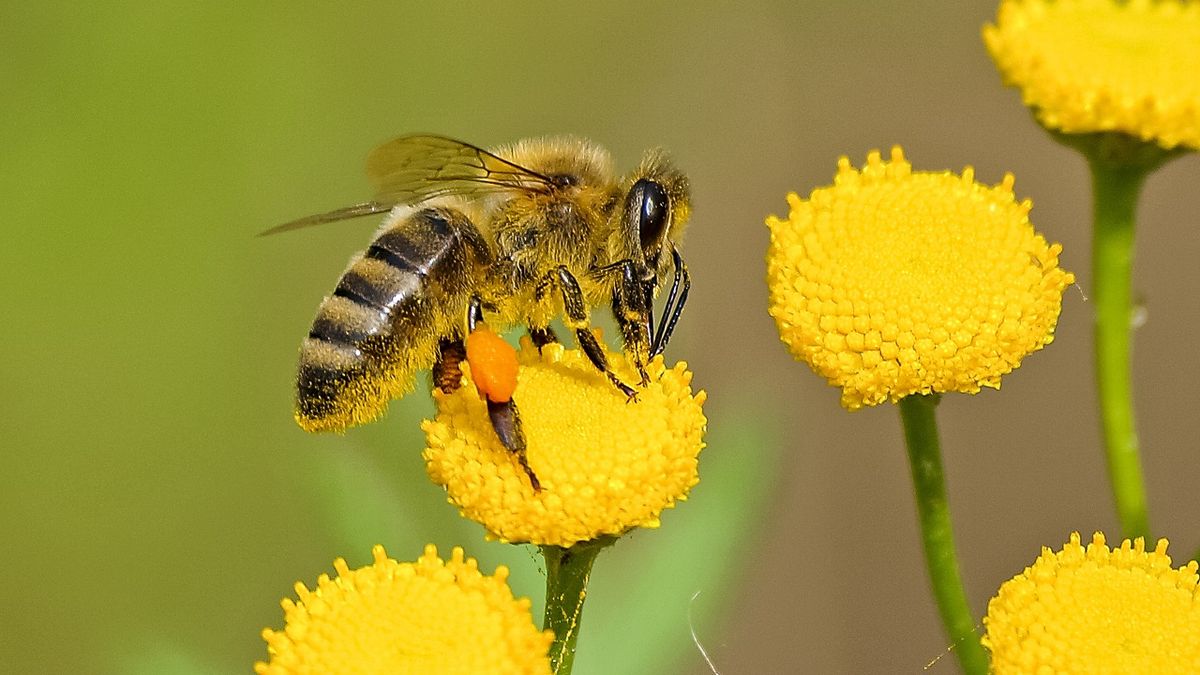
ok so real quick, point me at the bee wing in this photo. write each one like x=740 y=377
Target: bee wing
x=363 y=209
x=412 y=169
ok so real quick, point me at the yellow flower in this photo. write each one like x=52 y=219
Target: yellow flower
x=605 y=465
x=1097 y=610
x=1100 y=65
x=421 y=617
x=893 y=282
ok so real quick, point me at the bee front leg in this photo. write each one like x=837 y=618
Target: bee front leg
x=633 y=312
x=578 y=320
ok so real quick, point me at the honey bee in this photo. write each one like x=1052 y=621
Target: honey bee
x=517 y=235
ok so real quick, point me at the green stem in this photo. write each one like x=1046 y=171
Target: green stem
x=1120 y=164
x=567 y=574
x=1116 y=187
x=924 y=457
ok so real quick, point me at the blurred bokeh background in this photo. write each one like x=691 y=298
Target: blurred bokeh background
x=156 y=499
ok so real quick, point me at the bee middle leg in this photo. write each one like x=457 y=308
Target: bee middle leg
x=578 y=320
x=446 y=374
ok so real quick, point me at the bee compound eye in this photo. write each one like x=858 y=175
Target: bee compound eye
x=653 y=212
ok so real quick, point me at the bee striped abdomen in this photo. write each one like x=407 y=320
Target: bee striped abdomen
x=382 y=322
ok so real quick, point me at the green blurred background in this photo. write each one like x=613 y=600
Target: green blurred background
x=156 y=499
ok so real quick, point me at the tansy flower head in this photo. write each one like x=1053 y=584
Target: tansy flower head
x=1101 y=65
x=893 y=282
x=426 y=617
x=1097 y=610
x=605 y=464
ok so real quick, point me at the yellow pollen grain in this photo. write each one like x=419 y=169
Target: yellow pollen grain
x=1101 y=65
x=1097 y=610
x=605 y=464
x=892 y=282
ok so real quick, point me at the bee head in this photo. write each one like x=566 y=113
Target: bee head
x=656 y=209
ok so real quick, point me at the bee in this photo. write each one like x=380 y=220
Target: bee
x=517 y=235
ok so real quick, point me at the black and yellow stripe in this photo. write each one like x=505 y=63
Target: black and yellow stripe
x=382 y=323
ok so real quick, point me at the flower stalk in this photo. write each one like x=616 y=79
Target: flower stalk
x=1115 y=194
x=1119 y=166
x=924 y=455
x=567 y=572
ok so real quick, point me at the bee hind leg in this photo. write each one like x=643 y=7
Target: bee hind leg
x=506 y=421
x=503 y=414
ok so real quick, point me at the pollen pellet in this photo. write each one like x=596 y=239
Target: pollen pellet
x=493 y=364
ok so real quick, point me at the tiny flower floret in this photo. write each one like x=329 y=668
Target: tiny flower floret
x=892 y=282
x=1101 y=65
x=1097 y=610
x=429 y=616
x=606 y=464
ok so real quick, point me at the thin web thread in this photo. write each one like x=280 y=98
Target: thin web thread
x=696 y=639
